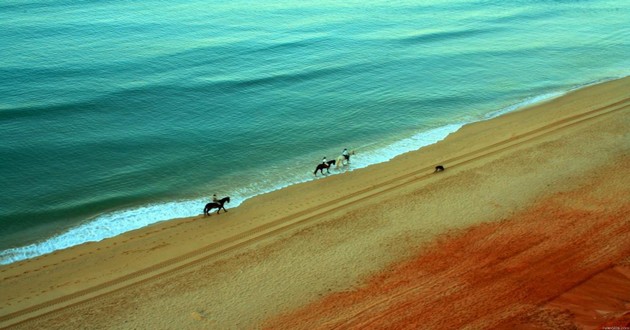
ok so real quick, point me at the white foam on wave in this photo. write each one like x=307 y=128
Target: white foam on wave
x=525 y=103
x=397 y=148
x=106 y=226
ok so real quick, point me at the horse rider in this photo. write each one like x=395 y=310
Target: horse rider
x=346 y=154
x=324 y=160
x=215 y=199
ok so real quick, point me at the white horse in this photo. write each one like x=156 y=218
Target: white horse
x=342 y=161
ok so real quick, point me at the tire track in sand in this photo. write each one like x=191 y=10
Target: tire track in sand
x=290 y=222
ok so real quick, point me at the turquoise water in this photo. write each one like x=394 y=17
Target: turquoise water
x=115 y=115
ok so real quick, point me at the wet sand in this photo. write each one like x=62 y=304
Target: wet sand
x=527 y=228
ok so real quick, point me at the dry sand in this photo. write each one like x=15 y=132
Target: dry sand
x=528 y=227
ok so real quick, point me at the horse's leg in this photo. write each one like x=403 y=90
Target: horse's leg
x=220 y=207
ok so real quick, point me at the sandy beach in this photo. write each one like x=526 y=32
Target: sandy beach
x=527 y=228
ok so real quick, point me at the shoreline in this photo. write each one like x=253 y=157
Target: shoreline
x=338 y=232
x=136 y=218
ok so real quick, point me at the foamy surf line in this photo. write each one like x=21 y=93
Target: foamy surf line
x=119 y=222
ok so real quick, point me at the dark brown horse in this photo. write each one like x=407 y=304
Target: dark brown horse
x=321 y=167
x=214 y=205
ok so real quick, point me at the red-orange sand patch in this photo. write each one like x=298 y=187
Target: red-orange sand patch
x=603 y=299
x=495 y=275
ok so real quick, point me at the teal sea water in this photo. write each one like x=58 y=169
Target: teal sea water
x=115 y=114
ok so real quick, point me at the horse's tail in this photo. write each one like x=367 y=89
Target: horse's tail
x=315 y=172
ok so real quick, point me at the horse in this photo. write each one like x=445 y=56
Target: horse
x=439 y=168
x=343 y=161
x=213 y=205
x=322 y=166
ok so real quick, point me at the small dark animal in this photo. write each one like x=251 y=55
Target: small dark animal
x=439 y=168
x=322 y=167
x=219 y=206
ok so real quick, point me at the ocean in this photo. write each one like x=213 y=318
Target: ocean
x=118 y=114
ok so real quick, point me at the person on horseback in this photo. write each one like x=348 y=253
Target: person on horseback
x=346 y=155
x=324 y=161
x=216 y=204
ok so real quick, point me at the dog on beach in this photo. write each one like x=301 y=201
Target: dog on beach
x=439 y=168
